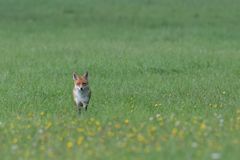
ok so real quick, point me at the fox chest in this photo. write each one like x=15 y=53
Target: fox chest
x=80 y=97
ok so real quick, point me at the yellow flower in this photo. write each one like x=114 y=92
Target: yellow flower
x=174 y=132
x=69 y=145
x=117 y=126
x=48 y=125
x=80 y=129
x=158 y=147
x=30 y=115
x=18 y=117
x=152 y=130
x=42 y=113
x=130 y=135
x=126 y=121
x=99 y=128
x=97 y=123
x=12 y=126
x=80 y=140
x=141 y=138
x=194 y=120
x=15 y=140
x=202 y=126
x=91 y=133
x=238 y=111
x=42 y=147
x=110 y=133
x=181 y=134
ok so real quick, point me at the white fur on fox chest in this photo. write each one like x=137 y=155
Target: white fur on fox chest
x=81 y=96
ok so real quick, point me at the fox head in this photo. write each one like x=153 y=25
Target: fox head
x=80 y=82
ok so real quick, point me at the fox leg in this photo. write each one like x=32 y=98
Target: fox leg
x=85 y=106
x=79 y=107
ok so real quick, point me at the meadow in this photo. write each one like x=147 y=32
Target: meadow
x=164 y=76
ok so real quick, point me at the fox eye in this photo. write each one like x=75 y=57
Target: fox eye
x=84 y=84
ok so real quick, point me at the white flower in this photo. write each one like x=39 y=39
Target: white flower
x=150 y=118
x=14 y=147
x=40 y=131
x=194 y=145
x=215 y=155
x=177 y=123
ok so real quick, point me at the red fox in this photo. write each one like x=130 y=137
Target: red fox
x=81 y=91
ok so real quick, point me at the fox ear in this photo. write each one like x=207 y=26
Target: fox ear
x=75 y=76
x=86 y=75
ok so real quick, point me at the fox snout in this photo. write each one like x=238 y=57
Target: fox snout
x=80 y=88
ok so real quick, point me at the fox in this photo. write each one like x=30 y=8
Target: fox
x=81 y=91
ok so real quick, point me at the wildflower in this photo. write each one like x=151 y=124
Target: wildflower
x=202 y=126
x=80 y=129
x=15 y=140
x=27 y=153
x=28 y=126
x=238 y=111
x=30 y=115
x=215 y=155
x=18 y=117
x=69 y=145
x=117 y=126
x=110 y=133
x=158 y=147
x=48 y=125
x=99 y=128
x=221 y=121
x=42 y=147
x=80 y=140
x=12 y=126
x=126 y=121
x=40 y=131
x=181 y=134
x=141 y=138
x=14 y=147
x=194 y=120
x=177 y=123
x=97 y=123
x=152 y=130
x=157 y=104
x=130 y=135
x=158 y=115
x=160 y=119
x=42 y=114
x=194 y=145
x=90 y=133
x=146 y=149
x=174 y=132
x=150 y=118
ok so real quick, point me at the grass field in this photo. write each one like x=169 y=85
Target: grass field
x=164 y=77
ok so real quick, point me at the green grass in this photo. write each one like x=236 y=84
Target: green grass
x=164 y=77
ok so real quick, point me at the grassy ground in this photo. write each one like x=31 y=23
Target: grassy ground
x=164 y=76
